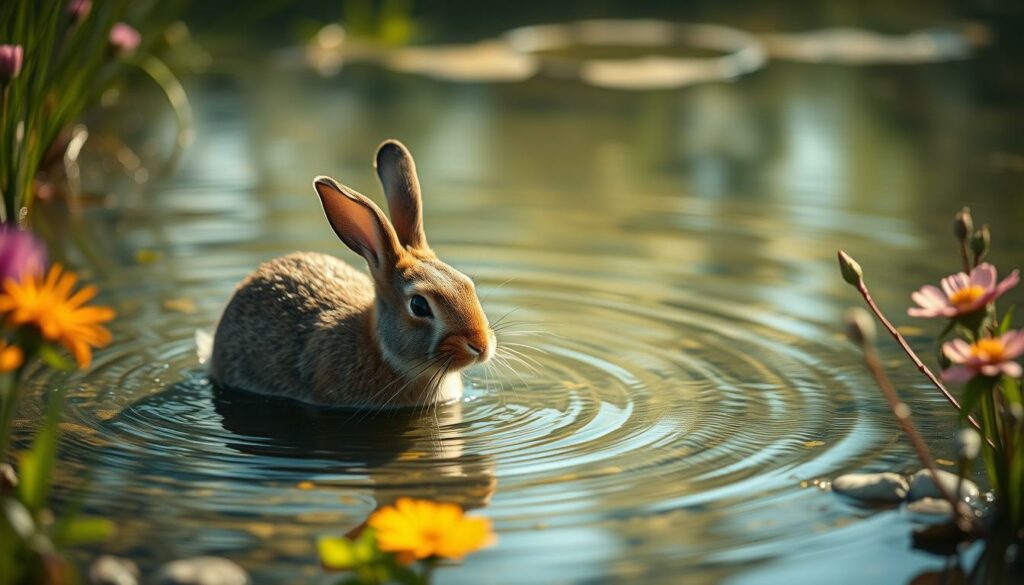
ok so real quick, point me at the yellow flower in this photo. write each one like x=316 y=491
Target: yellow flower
x=418 y=529
x=59 y=315
x=11 y=357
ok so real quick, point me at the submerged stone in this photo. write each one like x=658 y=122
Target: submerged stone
x=930 y=507
x=872 y=487
x=922 y=485
x=110 y=570
x=202 y=571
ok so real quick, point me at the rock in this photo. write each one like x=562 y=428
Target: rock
x=872 y=487
x=930 y=507
x=109 y=570
x=923 y=486
x=202 y=571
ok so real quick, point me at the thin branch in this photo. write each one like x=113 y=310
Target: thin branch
x=862 y=288
x=902 y=412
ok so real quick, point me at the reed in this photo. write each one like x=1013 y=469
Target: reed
x=57 y=58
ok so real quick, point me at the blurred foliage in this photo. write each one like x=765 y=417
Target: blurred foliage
x=74 y=52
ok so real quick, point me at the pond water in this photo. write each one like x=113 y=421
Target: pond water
x=668 y=257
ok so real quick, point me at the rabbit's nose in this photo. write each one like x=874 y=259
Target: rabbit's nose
x=473 y=348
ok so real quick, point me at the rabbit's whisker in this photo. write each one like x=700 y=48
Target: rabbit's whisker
x=434 y=362
x=525 y=346
x=519 y=359
x=504 y=361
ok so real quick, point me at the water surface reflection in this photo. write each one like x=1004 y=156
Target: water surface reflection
x=670 y=258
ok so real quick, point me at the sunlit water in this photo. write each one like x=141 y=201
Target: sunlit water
x=668 y=259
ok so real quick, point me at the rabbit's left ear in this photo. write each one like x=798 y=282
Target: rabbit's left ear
x=397 y=173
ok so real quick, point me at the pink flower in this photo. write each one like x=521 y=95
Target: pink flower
x=990 y=356
x=21 y=254
x=962 y=294
x=79 y=9
x=10 y=62
x=124 y=39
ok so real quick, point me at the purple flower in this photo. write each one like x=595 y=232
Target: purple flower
x=79 y=9
x=990 y=356
x=11 y=57
x=124 y=39
x=21 y=254
x=962 y=294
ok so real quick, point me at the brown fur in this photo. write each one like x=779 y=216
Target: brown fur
x=312 y=327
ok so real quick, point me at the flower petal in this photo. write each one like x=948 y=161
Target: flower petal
x=983 y=275
x=1009 y=282
x=990 y=369
x=958 y=374
x=1011 y=369
x=1013 y=343
x=957 y=350
x=929 y=298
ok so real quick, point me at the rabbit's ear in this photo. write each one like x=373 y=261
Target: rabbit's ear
x=397 y=173
x=359 y=223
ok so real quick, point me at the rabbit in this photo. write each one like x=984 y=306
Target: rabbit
x=311 y=327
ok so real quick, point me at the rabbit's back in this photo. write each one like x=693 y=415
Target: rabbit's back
x=263 y=338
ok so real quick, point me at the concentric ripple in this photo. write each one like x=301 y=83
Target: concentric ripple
x=613 y=405
x=669 y=389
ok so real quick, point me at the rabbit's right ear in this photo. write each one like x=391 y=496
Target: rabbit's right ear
x=359 y=223
x=397 y=173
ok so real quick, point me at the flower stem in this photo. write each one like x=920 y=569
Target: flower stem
x=964 y=257
x=11 y=398
x=902 y=412
x=862 y=288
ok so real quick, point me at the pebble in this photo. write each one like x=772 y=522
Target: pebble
x=202 y=571
x=872 y=487
x=930 y=507
x=110 y=570
x=922 y=485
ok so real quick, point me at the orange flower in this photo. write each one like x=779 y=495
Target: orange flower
x=418 y=529
x=49 y=305
x=11 y=357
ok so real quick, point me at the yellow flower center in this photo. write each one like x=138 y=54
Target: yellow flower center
x=967 y=295
x=989 y=350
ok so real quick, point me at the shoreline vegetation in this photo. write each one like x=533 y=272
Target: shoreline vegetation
x=978 y=351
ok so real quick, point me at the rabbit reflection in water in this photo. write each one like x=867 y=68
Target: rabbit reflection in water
x=311 y=327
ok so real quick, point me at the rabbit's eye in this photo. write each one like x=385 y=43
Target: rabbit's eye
x=420 y=307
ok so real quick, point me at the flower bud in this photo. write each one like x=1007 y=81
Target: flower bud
x=79 y=9
x=981 y=241
x=850 y=269
x=963 y=224
x=860 y=327
x=11 y=57
x=124 y=39
x=968 y=444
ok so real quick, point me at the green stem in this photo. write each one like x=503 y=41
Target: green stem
x=964 y=257
x=11 y=399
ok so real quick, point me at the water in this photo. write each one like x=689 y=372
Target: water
x=669 y=257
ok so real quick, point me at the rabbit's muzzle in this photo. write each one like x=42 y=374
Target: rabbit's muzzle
x=466 y=349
